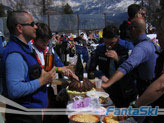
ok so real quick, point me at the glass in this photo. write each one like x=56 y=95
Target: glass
x=98 y=82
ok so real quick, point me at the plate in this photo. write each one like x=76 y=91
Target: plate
x=97 y=94
x=76 y=92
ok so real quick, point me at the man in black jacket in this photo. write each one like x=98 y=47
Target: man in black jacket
x=108 y=56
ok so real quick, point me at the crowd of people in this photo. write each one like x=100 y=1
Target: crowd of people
x=125 y=58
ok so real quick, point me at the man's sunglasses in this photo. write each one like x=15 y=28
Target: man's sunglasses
x=143 y=14
x=29 y=24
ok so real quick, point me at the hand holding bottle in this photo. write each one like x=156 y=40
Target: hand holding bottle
x=47 y=77
x=112 y=54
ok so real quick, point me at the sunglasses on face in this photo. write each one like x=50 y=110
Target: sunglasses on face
x=29 y=24
x=143 y=14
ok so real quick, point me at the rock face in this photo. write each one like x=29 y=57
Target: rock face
x=78 y=86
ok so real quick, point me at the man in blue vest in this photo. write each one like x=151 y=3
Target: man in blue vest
x=23 y=79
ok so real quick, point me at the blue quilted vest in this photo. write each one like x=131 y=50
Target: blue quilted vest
x=38 y=99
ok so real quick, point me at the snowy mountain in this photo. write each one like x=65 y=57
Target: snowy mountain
x=115 y=9
x=97 y=6
x=83 y=6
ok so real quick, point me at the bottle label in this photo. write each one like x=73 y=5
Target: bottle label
x=85 y=75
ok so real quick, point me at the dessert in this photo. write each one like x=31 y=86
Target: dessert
x=78 y=87
x=110 y=119
x=114 y=119
x=85 y=118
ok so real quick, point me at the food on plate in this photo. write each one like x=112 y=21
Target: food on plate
x=103 y=100
x=85 y=118
x=97 y=94
x=114 y=119
x=110 y=119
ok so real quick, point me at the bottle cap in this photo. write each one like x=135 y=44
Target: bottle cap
x=65 y=77
x=85 y=75
x=81 y=82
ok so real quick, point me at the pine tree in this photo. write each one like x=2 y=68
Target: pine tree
x=162 y=4
x=67 y=9
x=9 y=11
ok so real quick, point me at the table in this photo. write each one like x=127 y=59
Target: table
x=60 y=82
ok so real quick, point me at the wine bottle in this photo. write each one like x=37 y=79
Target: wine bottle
x=64 y=51
x=91 y=67
x=72 y=52
x=79 y=68
x=49 y=58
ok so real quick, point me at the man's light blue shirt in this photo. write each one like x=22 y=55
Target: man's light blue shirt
x=143 y=57
x=127 y=44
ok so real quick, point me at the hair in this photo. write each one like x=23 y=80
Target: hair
x=139 y=24
x=14 y=18
x=43 y=31
x=161 y=17
x=133 y=9
x=110 y=32
x=125 y=27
